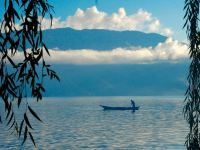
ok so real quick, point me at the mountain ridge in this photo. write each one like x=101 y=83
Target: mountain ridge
x=99 y=39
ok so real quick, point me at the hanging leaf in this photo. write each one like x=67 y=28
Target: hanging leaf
x=46 y=49
x=11 y=117
x=12 y=125
x=9 y=110
x=32 y=139
x=11 y=61
x=27 y=121
x=34 y=114
x=20 y=129
x=25 y=134
x=19 y=100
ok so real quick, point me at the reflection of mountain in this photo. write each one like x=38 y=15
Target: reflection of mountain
x=116 y=80
x=67 y=38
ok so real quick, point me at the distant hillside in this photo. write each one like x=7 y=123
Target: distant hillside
x=119 y=80
x=67 y=38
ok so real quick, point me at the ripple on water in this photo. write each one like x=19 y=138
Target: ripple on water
x=79 y=123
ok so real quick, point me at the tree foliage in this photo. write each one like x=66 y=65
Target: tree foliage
x=21 y=31
x=192 y=101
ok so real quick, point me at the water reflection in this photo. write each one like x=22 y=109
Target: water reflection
x=79 y=123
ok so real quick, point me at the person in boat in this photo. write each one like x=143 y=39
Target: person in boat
x=132 y=103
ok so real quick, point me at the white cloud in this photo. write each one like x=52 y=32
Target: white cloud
x=170 y=51
x=92 y=18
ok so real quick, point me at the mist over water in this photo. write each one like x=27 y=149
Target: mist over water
x=80 y=123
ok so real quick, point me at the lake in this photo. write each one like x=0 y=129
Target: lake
x=80 y=123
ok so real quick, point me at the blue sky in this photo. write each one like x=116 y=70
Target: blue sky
x=170 y=13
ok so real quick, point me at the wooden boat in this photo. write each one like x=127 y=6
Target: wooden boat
x=119 y=108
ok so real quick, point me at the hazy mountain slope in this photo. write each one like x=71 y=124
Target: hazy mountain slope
x=115 y=80
x=67 y=38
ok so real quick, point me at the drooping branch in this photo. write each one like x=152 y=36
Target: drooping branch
x=192 y=101
x=21 y=31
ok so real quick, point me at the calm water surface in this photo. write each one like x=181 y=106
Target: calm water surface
x=79 y=123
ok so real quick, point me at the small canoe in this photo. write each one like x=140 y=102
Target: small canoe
x=119 y=108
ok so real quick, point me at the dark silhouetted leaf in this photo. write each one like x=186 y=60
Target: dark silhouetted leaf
x=21 y=126
x=51 y=18
x=11 y=117
x=19 y=100
x=34 y=114
x=9 y=110
x=27 y=121
x=11 y=61
x=46 y=49
x=57 y=78
x=12 y=92
x=25 y=134
x=32 y=139
x=12 y=125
